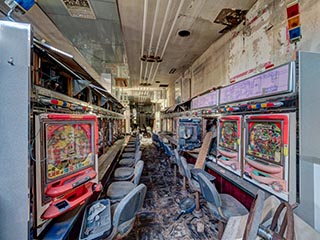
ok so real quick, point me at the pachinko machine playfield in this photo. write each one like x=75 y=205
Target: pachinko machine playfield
x=229 y=140
x=66 y=169
x=269 y=138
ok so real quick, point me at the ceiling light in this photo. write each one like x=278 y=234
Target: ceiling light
x=184 y=33
x=151 y=58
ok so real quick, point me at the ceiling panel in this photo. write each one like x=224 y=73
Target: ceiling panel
x=196 y=16
x=101 y=41
x=98 y=40
x=105 y=10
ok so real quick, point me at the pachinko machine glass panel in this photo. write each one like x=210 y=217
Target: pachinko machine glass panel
x=268 y=161
x=189 y=133
x=229 y=137
x=66 y=163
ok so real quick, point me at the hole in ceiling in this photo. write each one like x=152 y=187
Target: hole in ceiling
x=157 y=81
x=121 y=82
x=163 y=85
x=230 y=18
x=184 y=33
x=172 y=70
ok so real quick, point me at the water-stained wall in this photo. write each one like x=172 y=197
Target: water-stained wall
x=260 y=42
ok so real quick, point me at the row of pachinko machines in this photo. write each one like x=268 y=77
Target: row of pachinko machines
x=267 y=130
x=256 y=129
x=262 y=149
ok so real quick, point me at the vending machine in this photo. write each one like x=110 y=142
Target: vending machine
x=269 y=150
x=229 y=143
x=66 y=169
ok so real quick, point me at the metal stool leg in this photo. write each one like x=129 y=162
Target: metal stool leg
x=197 y=212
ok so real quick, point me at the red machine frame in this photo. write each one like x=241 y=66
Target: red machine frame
x=269 y=172
x=230 y=158
x=66 y=169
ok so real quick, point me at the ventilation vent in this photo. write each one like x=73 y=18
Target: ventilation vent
x=163 y=85
x=79 y=8
x=172 y=70
x=145 y=84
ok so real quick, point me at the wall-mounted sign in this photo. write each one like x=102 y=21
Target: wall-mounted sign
x=293 y=17
x=207 y=100
x=272 y=82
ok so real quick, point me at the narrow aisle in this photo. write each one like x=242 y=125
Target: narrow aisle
x=161 y=206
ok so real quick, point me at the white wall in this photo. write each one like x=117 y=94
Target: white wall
x=250 y=47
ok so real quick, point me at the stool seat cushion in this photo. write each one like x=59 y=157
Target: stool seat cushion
x=129 y=149
x=118 y=190
x=131 y=145
x=128 y=155
x=232 y=207
x=123 y=173
x=127 y=162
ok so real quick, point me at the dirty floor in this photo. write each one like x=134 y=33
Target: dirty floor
x=161 y=206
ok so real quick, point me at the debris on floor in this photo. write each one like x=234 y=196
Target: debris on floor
x=156 y=220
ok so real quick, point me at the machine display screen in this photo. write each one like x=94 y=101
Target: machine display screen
x=228 y=135
x=69 y=147
x=189 y=131
x=206 y=100
x=264 y=140
x=272 y=82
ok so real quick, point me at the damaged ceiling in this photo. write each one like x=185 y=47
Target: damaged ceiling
x=158 y=40
x=176 y=32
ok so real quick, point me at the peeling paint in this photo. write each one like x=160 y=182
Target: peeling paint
x=250 y=47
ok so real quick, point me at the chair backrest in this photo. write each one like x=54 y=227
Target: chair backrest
x=161 y=144
x=270 y=206
x=184 y=165
x=178 y=161
x=286 y=228
x=209 y=191
x=129 y=205
x=167 y=150
x=137 y=156
x=137 y=172
x=177 y=156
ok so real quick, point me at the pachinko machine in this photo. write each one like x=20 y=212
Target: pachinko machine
x=269 y=138
x=66 y=169
x=229 y=143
